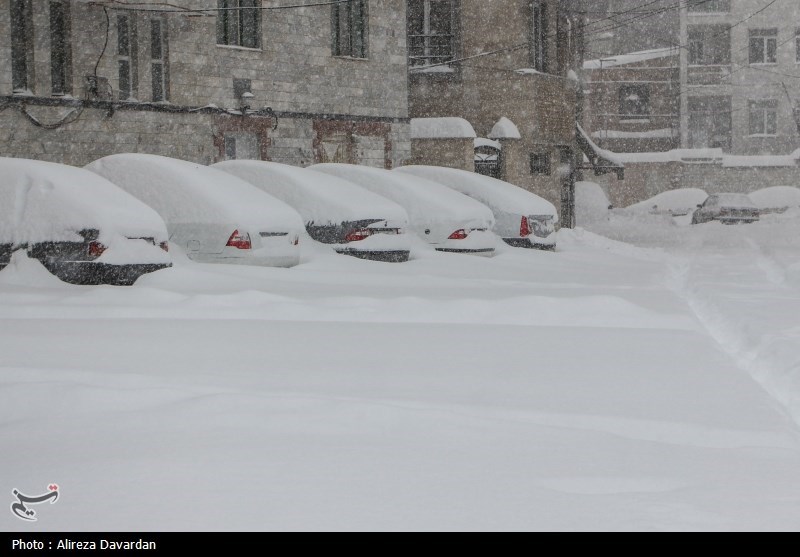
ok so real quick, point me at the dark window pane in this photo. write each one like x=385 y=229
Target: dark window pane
x=156 y=46
x=158 y=81
x=59 y=48
x=124 y=80
x=123 y=36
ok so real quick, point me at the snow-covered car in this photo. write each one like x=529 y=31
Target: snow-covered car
x=522 y=219
x=350 y=219
x=776 y=199
x=213 y=216
x=727 y=208
x=446 y=219
x=81 y=227
x=677 y=203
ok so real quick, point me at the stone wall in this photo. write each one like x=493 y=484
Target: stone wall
x=294 y=73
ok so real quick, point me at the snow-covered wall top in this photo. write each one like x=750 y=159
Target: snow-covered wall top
x=319 y=198
x=188 y=193
x=505 y=129
x=42 y=201
x=441 y=128
x=483 y=142
x=632 y=58
x=496 y=194
x=710 y=155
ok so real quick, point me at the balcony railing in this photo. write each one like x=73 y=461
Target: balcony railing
x=713 y=74
x=429 y=49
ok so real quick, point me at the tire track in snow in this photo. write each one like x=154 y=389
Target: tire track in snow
x=773 y=360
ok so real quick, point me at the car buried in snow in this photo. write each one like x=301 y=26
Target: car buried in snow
x=79 y=226
x=727 y=208
x=445 y=219
x=213 y=216
x=522 y=219
x=350 y=219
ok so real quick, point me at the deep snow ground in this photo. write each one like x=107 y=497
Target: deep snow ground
x=607 y=386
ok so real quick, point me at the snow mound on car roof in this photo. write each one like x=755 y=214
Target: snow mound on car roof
x=673 y=200
x=776 y=197
x=497 y=194
x=43 y=201
x=319 y=198
x=424 y=200
x=187 y=193
x=591 y=202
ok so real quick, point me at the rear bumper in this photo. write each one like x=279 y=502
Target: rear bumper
x=531 y=243
x=90 y=273
x=393 y=256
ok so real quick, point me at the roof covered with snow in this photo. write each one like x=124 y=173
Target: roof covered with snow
x=187 y=193
x=505 y=129
x=776 y=197
x=320 y=198
x=631 y=58
x=716 y=156
x=47 y=201
x=441 y=128
x=678 y=200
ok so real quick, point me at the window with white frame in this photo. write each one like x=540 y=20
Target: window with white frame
x=764 y=117
x=538 y=54
x=349 y=26
x=763 y=46
x=21 y=46
x=127 y=57
x=239 y=23
x=431 y=31
x=159 y=59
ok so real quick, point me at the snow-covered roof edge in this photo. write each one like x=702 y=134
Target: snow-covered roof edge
x=715 y=156
x=483 y=142
x=631 y=58
x=505 y=129
x=442 y=128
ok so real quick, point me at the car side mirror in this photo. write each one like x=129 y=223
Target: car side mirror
x=700 y=205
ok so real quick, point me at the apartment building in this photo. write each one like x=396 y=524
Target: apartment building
x=205 y=80
x=740 y=76
x=508 y=106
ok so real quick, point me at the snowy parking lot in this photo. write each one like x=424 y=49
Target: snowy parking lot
x=646 y=376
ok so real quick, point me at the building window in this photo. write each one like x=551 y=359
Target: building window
x=763 y=46
x=710 y=123
x=239 y=23
x=709 y=6
x=60 y=48
x=159 y=54
x=539 y=36
x=349 y=26
x=764 y=117
x=797 y=45
x=634 y=102
x=127 y=57
x=540 y=163
x=696 y=52
x=431 y=31
x=242 y=146
x=21 y=46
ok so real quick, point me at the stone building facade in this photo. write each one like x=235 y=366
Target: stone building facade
x=522 y=96
x=204 y=80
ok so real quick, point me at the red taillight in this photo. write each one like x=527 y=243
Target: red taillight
x=358 y=235
x=164 y=246
x=524 y=227
x=239 y=241
x=96 y=249
x=296 y=240
x=459 y=234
